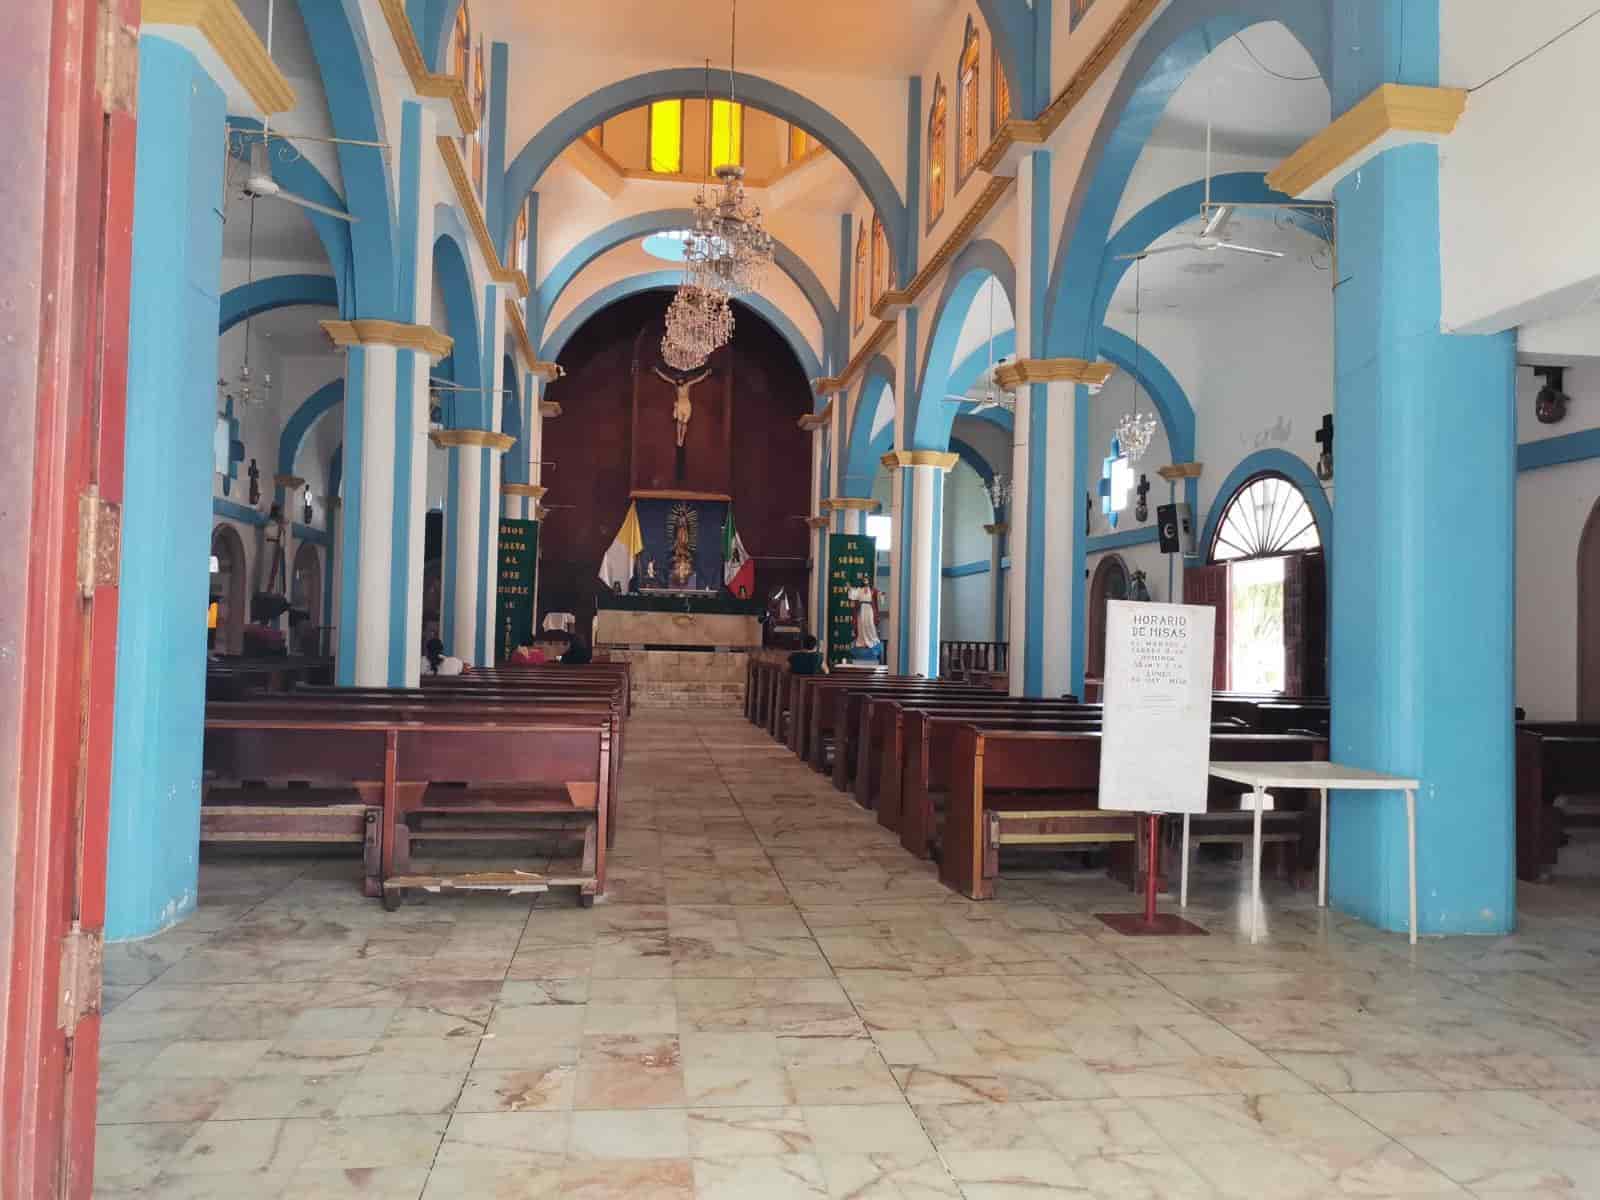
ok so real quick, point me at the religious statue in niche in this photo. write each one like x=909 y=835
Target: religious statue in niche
x=683 y=527
x=682 y=409
x=865 y=598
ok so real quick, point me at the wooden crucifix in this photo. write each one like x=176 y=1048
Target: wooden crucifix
x=1141 y=510
x=1325 y=440
x=682 y=409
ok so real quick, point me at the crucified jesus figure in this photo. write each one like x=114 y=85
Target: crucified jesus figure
x=682 y=410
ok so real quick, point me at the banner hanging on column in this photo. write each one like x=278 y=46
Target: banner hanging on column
x=852 y=596
x=519 y=559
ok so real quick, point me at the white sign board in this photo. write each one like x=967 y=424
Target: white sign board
x=1155 y=743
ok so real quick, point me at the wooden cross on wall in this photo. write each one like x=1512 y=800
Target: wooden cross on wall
x=1325 y=440
x=1141 y=510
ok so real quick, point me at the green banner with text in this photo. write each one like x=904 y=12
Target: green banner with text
x=519 y=560
x=852 y=562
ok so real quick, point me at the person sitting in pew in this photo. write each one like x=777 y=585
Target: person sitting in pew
x=440 y=663
x=578 y=655
x=527 y=656
x=808 y=660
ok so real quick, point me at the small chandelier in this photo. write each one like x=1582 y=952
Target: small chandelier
x=1135 y=430
x=1000 y=489
x=728 y=251
x=698 y=323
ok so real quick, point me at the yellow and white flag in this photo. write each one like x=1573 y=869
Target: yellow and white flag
x=616 y=568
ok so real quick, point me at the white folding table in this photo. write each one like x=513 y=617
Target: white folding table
x=1320 y=777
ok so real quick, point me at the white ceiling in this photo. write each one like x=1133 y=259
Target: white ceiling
x=1252 y=111
x=288 y=332
x=1190 y=281
x=877 y=38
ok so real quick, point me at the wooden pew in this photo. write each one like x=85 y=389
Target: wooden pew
x=1553 y=758
x=1027 y=787
x=836 y=714
x=514 y=765
x=878 y=736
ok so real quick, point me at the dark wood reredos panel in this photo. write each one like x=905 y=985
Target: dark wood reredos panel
x=591 y=445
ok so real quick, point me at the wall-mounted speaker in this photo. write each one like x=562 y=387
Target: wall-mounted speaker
x=1175 y=523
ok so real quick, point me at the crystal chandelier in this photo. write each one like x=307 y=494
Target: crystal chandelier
x=698 y=323
x=1135 y=430
x=245 y=387
x=728 y=251
x=1000 y=489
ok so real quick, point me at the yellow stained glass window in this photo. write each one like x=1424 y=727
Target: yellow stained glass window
x=519 y=241
x=666 y=137
x=1002 y=94
x=861 y=279
x=597 y=136
x=801 y=143
x=727 y=134
x=463 y=44
x=938 y=120
x=967 y=106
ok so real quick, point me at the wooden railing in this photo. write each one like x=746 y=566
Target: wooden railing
x=962 y=658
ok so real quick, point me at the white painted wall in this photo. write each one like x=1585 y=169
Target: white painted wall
x=967 y=603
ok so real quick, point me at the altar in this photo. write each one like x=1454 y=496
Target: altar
x=685 y=649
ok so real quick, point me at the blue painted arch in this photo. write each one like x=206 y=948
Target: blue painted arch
x=300 y=422
x=542 y=150
x=969 y=455
x=666 y=281
x=1160 y=63
x=1164 y=390
x=862 y=448
x=277 y=291
x=929 y=416
x=336 y=471
x=641 y=225
x=514 y=467
x=1278 y=462
x=468 y=408
x=346 y=64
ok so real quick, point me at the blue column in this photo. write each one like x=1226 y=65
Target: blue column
x=153 y=867
x=1423 y=533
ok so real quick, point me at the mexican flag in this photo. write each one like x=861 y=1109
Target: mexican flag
x=617 y=566
x=738 y=568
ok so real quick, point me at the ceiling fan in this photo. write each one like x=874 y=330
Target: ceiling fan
x=1213 y=233
x=986 y=392
x=258 y=182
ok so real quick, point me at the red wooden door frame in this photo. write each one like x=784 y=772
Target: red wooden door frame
x=67 y=89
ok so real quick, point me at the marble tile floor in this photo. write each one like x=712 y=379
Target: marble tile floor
x=776 y=1001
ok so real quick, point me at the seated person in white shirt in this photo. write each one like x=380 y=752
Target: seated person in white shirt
x=437 y=662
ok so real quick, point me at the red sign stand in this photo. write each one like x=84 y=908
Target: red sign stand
x=1150 y=923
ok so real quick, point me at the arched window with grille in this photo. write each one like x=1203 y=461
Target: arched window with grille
x=861 y=279
x=938 y=148
x=1266 y=579
x=1000 y=113
x=967 y=104
x=882 y=268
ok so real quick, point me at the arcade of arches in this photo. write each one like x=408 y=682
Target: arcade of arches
x=333 y=332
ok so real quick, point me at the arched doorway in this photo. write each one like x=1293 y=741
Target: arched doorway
x=305 y=596
x=1268 y=581
x=228 y=585
x=1589 y=618
x=1110 y=582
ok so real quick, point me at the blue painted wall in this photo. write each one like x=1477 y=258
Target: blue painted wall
x=175 y=302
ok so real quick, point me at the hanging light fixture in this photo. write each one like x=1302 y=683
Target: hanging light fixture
x=244 y=386
x=1000 y=489
x=729 y=250
x=698 y=323
x=1135 y=430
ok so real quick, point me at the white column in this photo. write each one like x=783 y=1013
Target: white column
x=924 y=483
x=468 y=461
x=1060 y=511
x=373 y=479
x=1017 y=588
x=997 y=576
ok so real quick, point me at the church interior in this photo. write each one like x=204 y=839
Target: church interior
x=698 y=600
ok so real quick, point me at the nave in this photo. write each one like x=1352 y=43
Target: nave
x=775 y=1000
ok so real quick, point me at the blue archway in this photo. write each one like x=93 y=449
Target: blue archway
x=514 y=468
x=545 y=147
x=469 y=407
x=641 y=225
x=300 y=422
x=347 y=68
x=929 y=416
x=277 y=291
x=862 y=448
x=969 y=455
x=665 y=281
x=1280 y=462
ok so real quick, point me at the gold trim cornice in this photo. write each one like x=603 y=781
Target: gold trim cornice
x=1391 y=108
x=1179 y=471
x=467 y=198
x=998 y=528
x=530 y=490
x=818 y=522
x=850 y=504
x=899 y=460
x=290 y=482
x=389 y=333
x=222 y=25
x=1013 y=375
x=549 y=408
x=548 y=371
x=424 y=82
x=820 y=419
x=486 y=438
x=830 y=385
x=519 y=334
